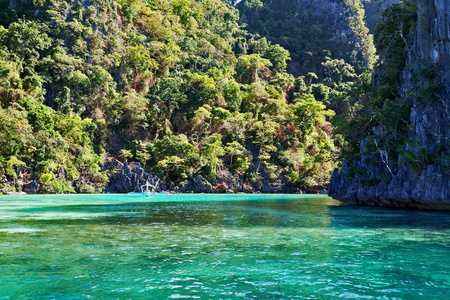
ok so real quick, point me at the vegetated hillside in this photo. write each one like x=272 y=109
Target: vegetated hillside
x=404 y=152
x=314 y=31
x=330 y=45
x=178 y=86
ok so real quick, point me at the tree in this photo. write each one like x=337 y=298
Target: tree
x=252 y=68
x=233 y=149
x=15 y=131
x=171 y=163
x=265 y=131
x=309 y=113
x=125 y=154
x=212 y=150
x=338 y=70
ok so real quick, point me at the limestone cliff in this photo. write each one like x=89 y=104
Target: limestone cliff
x=420 y=178
x=313 y=31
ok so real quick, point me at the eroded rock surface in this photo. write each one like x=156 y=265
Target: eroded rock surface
x=372 y=180
x=131 y=179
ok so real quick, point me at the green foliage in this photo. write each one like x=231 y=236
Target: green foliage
x=87 y=189
x=394 y=37
x=178 y=85
x=380 y=106
x=61 y=185
x=11 y=164
x=299 y=27
x=125 y=153
x=252 y=68
x=427 y=86
x=241 y=165
x=46 y=178
x=212 y=151
x=294 y=178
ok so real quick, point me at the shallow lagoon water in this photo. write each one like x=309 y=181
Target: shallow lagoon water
x=218 y=247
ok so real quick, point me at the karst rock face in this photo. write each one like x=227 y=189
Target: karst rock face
x=313 y=31
x=398 y=183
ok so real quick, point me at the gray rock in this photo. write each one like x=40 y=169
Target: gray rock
x=110 y=190
x=15 y=193
x=366 y=180
x=131 y=180
x=266 y=187
x=111 y=163
x=201 y=185
x=31 y=188
x=61 y=172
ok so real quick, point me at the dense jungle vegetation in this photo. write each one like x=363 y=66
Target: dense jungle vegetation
x=182 y=87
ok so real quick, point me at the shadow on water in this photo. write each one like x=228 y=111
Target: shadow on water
x=376 y=217
x=274 y=212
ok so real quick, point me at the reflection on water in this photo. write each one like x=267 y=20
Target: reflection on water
x=218 y=247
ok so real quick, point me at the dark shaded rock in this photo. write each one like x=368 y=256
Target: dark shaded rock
x=21 y=172
x=136 y=168
x=131 y=179
x=371 y=181
x=111 y=163
x=61 y=172
x=266 y=187
x=200 y=185
x=110 y=190
x=31 y=188
x=226 y=180
x=84 y=185
x=33 y=176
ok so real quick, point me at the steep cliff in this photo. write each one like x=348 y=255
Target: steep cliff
x=373 y=9
x=419 y=176
x=313 y=31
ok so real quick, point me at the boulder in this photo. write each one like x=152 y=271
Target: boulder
x=131 y=179
x=31 y=188
x=15 y=193
x=201 y=185
x=61 y=172
x=266 y=187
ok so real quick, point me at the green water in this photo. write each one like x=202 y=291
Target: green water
x=218 y=247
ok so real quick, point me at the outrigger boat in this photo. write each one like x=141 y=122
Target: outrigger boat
x=147 y=189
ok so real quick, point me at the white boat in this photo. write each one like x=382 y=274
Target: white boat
x=147 y=189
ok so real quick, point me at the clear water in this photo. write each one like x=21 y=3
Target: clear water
x=218 y=247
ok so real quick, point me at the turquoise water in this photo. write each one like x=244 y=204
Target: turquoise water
x=218 y=247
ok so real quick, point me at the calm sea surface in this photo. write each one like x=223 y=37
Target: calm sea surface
x=218 y=247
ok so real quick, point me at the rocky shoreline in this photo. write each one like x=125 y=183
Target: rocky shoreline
x=131 y=177
x=125 y=178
